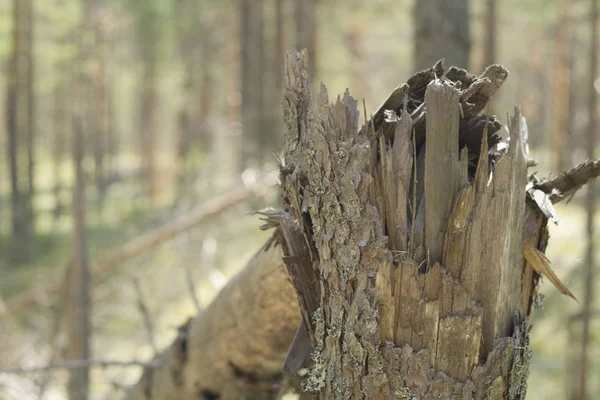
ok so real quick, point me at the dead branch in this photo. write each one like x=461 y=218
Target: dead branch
x=137 y=246
x=189 y=278
x=567 y=183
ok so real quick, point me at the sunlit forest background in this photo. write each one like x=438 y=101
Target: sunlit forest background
x=145 y=133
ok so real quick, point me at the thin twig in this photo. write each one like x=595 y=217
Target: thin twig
x=192 y=287
x=78 y=364
x=145 y=314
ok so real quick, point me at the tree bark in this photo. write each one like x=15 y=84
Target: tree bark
x=235 y=348
x=422 y=289
x=441 y=31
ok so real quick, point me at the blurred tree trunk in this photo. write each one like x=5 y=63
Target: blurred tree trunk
x=574 y=97
x=206 y=92
x=273 y=56
x=357 y=54
x=246 y=109
x=102 y=118
x=78 y=298
x=149 y=35
x=489 y=50
x=20 y=126
x=442 y=30
x=561 y=86
x=187 y=47
x=60 y=139
x=252 y=65
x=279 y=45
x=31 y=121
x=589 y=275
x=77 y=311
x=305 y=19
x=149 y=103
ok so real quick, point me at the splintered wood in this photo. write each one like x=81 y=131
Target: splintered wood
x=415 y=225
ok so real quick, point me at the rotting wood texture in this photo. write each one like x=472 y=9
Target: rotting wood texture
x=416 y=223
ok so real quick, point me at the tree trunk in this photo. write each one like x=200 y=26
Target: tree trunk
x=148 y=119
x=187 y=47
x=305 y=16
x=589 y=275
x=31 y=121
x=235 y=348
x=20 y=127
x=149 y=31
x=246 y=109
x=102 y=118
x=561 y=86
x=252 y=65
x=78 y=310
x=78 y=298
x=357 y=55
x=279 y=45
x=60 y=139
x=206 y=93
x=422 y=290
x=489 y=50
x=441 y=31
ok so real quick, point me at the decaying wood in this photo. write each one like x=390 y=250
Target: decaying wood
x=297 y=256
x=416 y=223
x=235 y=348
x=140 y=244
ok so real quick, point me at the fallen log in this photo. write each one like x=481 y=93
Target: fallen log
x=141 y=244
x=235 y=348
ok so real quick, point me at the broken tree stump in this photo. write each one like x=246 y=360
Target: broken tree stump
x=415 y=226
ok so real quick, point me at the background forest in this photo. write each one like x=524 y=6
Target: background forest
x=138 y=136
